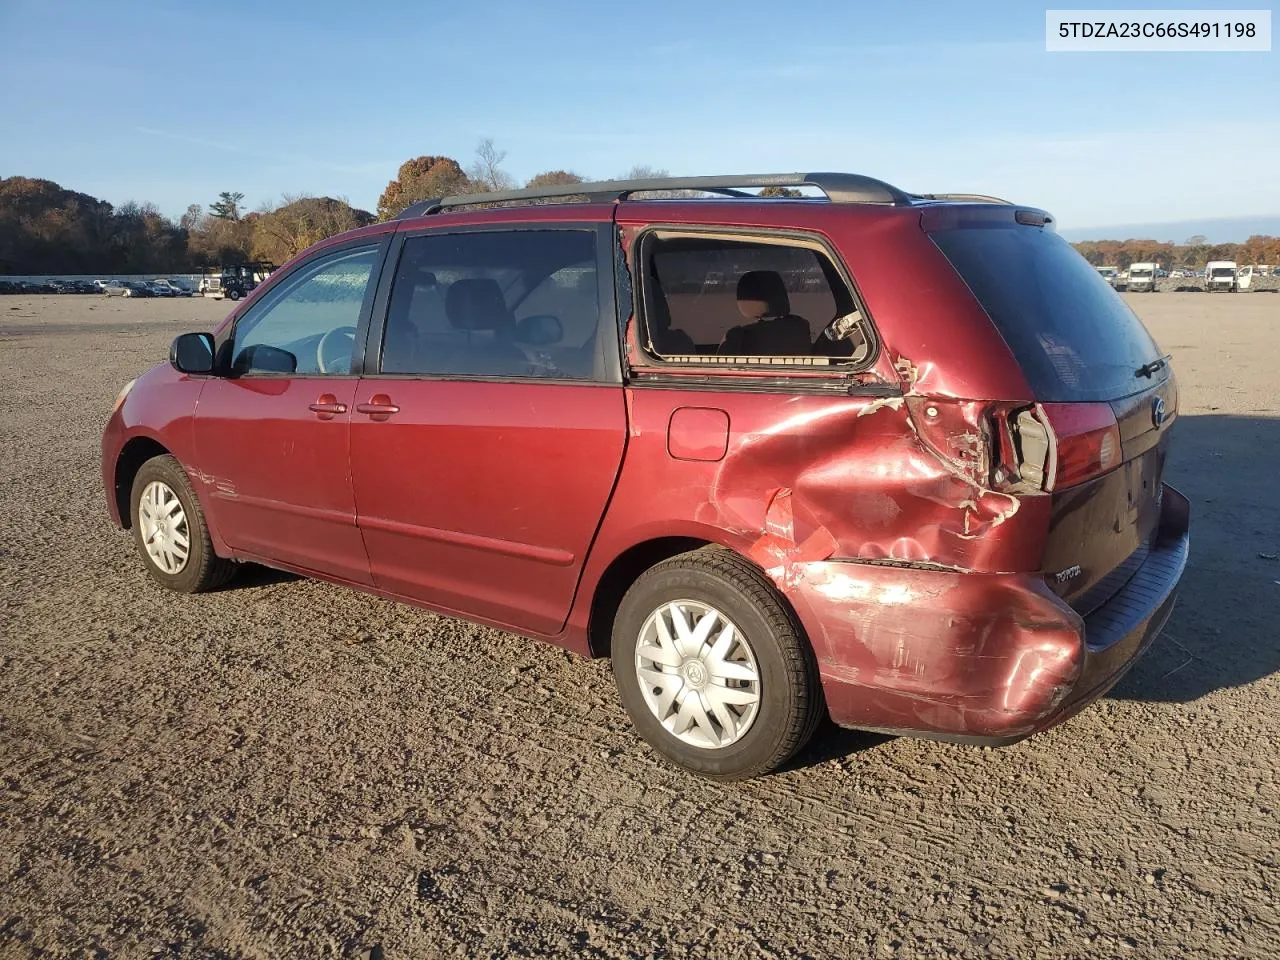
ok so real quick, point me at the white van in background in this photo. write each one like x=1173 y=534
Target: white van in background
x=1142 y=277
x=1220 y=275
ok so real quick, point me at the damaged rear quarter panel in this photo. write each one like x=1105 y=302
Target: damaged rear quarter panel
x=916 y=583
x=932 y=629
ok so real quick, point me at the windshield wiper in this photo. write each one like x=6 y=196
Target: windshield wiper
x=1149 y=369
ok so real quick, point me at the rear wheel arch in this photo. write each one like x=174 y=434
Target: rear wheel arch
x=628 y=567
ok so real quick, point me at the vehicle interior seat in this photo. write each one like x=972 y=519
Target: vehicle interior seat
x=477 y=306
x=402 y=342
x=666 y=341
x=774 y=331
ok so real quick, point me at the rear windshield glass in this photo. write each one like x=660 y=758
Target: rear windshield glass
x=1072 y=334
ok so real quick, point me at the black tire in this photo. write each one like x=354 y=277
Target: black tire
x=790 y=705
x=233 y=295
x=204 y=570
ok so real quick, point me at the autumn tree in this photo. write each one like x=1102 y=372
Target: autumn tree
x=553 y=178
x=280 y=232
x=419 y=179
x=780 y=192
x=1260 y=249
x=216 y=240
x=45 y=228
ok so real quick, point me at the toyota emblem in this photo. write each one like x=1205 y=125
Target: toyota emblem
x=1157 y=411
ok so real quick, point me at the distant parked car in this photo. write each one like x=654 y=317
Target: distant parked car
x=158 y=289
x=8 y=286
x=170 y=288
x=127 y=288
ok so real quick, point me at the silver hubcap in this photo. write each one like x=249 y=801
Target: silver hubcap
x=164 y=527
x=698 y=674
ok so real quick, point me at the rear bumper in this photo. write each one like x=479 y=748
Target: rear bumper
x=977 y=658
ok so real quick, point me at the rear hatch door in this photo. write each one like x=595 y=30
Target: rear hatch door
x=1088 y=359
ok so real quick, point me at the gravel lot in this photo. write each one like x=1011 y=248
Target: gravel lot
x=289 y=769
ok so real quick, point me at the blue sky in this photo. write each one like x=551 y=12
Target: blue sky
x=173 y=102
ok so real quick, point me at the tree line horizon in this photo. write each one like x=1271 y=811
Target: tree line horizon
x=46 y=228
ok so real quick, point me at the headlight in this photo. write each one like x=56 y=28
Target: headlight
x=124 y=392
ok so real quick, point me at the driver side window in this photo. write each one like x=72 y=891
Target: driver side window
x=307 y=325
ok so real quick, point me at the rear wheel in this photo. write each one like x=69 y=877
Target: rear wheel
x=713 y=668
x=169 y=530
x=233 y=295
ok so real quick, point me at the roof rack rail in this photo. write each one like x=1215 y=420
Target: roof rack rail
x=839 y=188
x=973 y=197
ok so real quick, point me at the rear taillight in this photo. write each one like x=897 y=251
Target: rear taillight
x=1055 y=445
x=1016 y=449
x=1088 y=441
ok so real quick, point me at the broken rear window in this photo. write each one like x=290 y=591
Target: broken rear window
x=1074 y=337
x=720 y=300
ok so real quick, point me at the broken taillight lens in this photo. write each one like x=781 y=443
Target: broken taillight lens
x=1086 y=441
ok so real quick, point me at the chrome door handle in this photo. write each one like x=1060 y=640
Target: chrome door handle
x=378 y=407
x=327 y=407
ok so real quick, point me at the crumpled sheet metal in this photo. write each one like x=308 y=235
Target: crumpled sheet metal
x=912 y=649
x=930 y=630
x=853 y=479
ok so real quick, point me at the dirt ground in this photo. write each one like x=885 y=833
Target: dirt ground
x=288 y=769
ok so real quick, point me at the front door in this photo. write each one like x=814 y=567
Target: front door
x=273 y=434
x=486 y=438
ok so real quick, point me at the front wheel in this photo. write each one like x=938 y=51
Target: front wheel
x=233 y=295
x=713 y=668
x=169 y=530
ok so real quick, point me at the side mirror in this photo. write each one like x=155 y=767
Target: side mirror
x=539 y=330
x=265 y=358
x=192 y=353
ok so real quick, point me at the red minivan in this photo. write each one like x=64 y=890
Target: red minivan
x=896 y=458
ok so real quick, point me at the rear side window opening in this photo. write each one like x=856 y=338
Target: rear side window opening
x=747 y=301
x=1074 y=337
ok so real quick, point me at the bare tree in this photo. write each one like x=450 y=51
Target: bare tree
x=191 y=219
x=643 y=172
x=486 y=172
